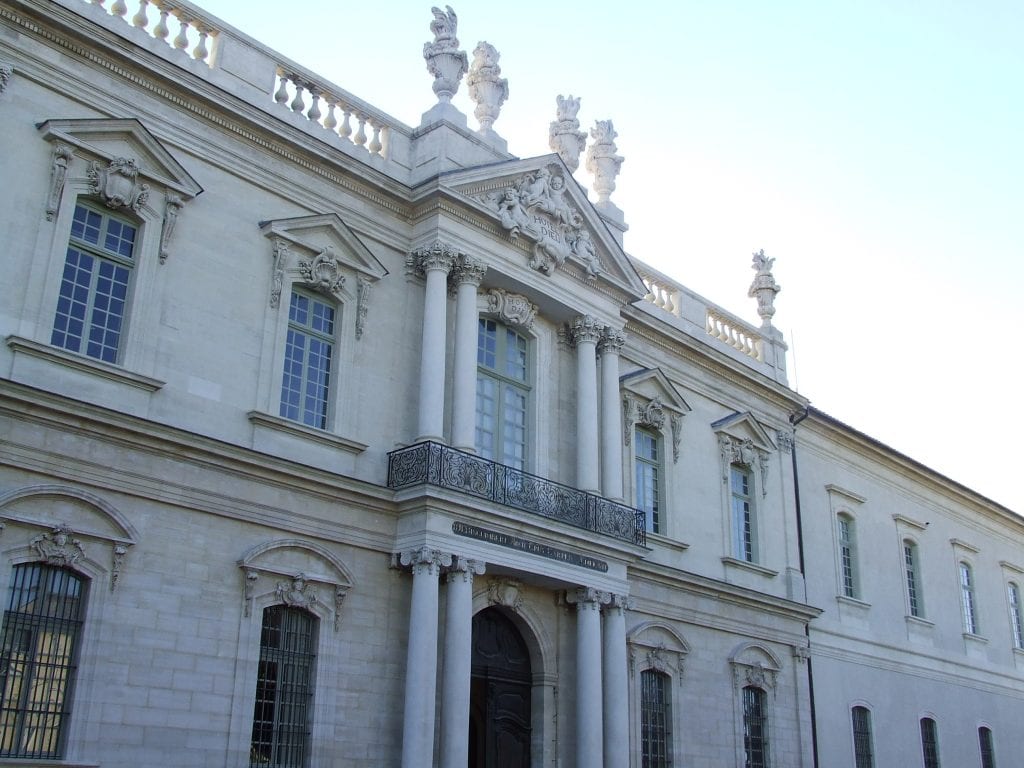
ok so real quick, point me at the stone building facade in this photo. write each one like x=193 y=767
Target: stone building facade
x=329 y=441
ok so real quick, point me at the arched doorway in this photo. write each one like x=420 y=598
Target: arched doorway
x=499 y=704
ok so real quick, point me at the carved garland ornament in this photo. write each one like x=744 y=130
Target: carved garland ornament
x=756 y=674
x=60 y=547
x=118 y=185
x=651 y=415
x=736 y=451
x=296 y=592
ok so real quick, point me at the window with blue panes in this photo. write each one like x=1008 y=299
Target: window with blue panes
x=308 y=360
x=93 y=300
x=744 y=520
x=502 y=394
x=647 y=465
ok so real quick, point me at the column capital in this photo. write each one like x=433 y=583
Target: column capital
x=436 y=256
x=584 y=329
x=422 y=560
x=618 y=603
x=611 y=341
x=586 y=598
x=468 y=270
x=464 y=568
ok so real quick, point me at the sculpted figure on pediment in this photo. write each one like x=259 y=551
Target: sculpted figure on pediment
x=586 y=251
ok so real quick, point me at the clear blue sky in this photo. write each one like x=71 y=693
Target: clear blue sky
x=876 y=149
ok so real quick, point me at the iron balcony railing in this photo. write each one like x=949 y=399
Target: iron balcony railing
x=436 y=464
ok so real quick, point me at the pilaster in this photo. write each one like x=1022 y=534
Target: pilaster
x=467 y=275
x=435 y=262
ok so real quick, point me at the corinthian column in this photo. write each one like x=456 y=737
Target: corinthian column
x=421 y=659
x=585 y=334
x=435 y=262
x=458 y=652
x=616 y=701
x=611 y=422
x=467 y=274
x=588 y=679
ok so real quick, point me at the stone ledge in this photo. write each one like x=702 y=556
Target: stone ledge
x=19 y=344
x=261 y=419
x=753 y=567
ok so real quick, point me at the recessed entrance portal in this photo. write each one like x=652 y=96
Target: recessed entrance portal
x=499 y=705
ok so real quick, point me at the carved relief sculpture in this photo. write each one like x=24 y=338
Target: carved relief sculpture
x=323 y=273
x=764 y=287
x=118 y=184
x=117 y=564
x=297 y=593
x=652 y=415
x=511 y=308
x=564 y=134
x=444 y=59
x=281 y=254
x=486 y=85
x=60 y=159
x=6 y=70
x=172 y=208
x=602 y=161
x=58 y=547
x=586 y=251
x=735 y=451
x=505 y=591
x=363 y=286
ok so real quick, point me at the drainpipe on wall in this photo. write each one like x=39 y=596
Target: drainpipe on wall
x=794 y=420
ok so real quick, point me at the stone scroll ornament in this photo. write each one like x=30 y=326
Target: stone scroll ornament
x=564 y=134
x=486 y=85
x=444 y=59
x=118 y=185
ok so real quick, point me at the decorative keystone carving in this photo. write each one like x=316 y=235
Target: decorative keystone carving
x=486 y=85
x=58 y=547
x=282 y=253
x=505 y=591
x=297 y=593
x=764 y=287
x=652 y=415
x=172 y=207
x=468 y=269
x=444 y=59
x=756 y=674
x=437 y=255
x=735 y=451
x=564 y=134
x=602 y=161
x=6 y=70
x=511 y=308
x=323 y=273
x=118 y=184
x=585 y=329
x=363 y=287
x=60 y=159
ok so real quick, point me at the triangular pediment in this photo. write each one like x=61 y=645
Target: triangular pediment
x=108 y=139
x=326 y=233
x=537 y=201
x=743 y=427
x=652 y=384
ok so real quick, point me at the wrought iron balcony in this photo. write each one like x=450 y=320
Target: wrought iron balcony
x=445 y=467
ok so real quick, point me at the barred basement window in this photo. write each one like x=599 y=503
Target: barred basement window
x=655 y=719
x=284 y=689
x=863 y=750
x=93 y=298
x=755 y=729
x=308 y=360
x=988 y=755
x=929 y=743
x=39 y=660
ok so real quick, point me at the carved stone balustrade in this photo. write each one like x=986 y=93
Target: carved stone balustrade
x=435 y=464
x=737 y=335
x=182 y=26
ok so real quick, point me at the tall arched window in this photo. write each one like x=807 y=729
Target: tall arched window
x=911 y=570
x=863 y=748
x=655 y=719
x=847 y=556
x=502 y=393
x=282 y=715
x=988 y=754
x=929 y=743
x=967 y=599
x=755 y=729
x=1016 y=618
x=38 y=659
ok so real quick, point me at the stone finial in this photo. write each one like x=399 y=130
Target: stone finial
x=602 y=161
x=444 y=59
x=564 y=134
x=764 y=287
x=486 y=85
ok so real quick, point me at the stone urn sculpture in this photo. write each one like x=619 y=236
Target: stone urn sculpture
x=764 y=287
x=564 y=134
x=486 y=85
x=602 y=161
x=444 y=59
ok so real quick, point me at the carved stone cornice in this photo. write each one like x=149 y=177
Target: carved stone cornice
x=511 y=308
x=585 y=329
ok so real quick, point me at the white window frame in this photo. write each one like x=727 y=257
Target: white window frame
x=968 y=597
x=656 y=465
x=912 y=578
x=1016 y=609
x=846 y=553
x=527 y=387
x=743 y=516
x=326 y=392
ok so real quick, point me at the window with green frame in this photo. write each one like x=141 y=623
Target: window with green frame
x=308 y=360
x=92 y=302
x=502 y=394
